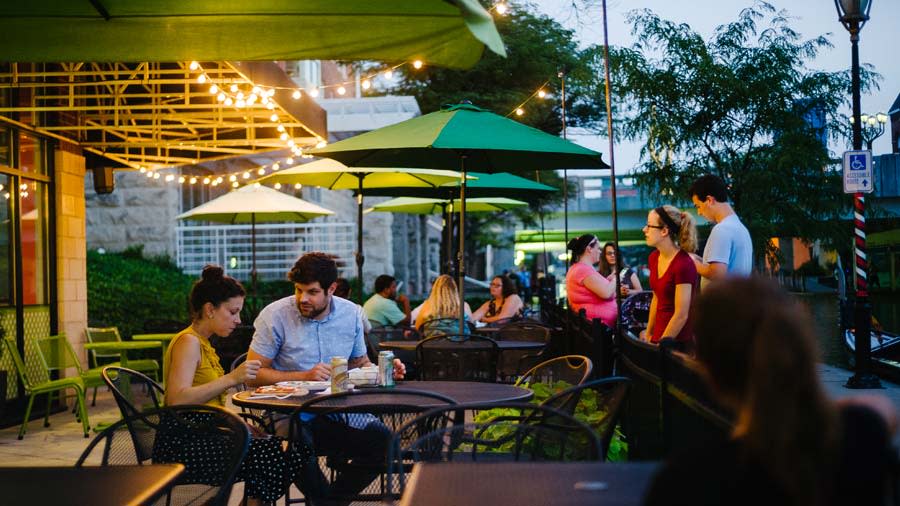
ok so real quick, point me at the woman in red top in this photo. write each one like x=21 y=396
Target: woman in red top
x=673 y=277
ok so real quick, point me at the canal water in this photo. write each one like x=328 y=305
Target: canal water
x=824 y=310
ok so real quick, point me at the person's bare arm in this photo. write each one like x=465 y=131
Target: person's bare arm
x=269 y=376
x=651 y=321
x=682 y=307
x=601 y=286
x=180 y=387
x=511 y=306
x=362 y=361
x=478 y=315
x=636 y=282
x=710 y=271
x=403 y=300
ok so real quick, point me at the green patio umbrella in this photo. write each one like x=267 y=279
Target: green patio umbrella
x=501 y=184
x=334 y=175
x=440 y=32
x=462 y=137
x=419 y=205
x=250 y=204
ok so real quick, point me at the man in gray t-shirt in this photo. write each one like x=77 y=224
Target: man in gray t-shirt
x=729 y=250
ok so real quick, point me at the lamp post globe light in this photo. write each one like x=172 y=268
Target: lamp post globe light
x=871 y=126
x=853 y=14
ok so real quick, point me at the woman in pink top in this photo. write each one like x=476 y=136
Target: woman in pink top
x=585 y=287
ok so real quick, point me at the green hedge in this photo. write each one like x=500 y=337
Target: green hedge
x=125 y=289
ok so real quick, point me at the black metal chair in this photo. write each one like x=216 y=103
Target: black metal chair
x=521 y=432
x=511 y=361
x=443 y=326
x=602 y=400
x=363 y=464
x=458 y=358
x=210 y=442
x=133 y=391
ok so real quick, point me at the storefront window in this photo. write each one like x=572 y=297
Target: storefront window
x=31 y=155
x=33 y=206
x=6 y=272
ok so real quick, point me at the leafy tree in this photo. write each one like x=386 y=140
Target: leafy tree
x=538 y=48
x=738 y=106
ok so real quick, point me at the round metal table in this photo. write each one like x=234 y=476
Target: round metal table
x=463 y=392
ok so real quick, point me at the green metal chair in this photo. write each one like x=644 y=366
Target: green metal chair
x=112 y=355
x=37 y=379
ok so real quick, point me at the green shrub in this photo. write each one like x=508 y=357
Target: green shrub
x=126 y=289
x=586 y=411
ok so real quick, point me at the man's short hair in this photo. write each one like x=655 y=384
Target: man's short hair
x=707 y=185
x=383 y=282
x=315 y=266
x=343 y=288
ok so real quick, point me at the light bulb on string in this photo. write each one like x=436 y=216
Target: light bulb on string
x=314 y=92
x=341 y=90
x=298 y=186
x=284 y=136
x=234 y=88
x=194 y=65
x=201 y=78
x=193 y=180
x=321 y=144
x=261 y=171
x=417 y=64
x=291 y=143
x=170 y=178
x=143 y=170
x=213 y=89
x=235 y=184
x=541 y=93
x=273 y=118
x=247 y=175
x=149 y=174
x=181 y=179
x=366 y=84
x=280 y=128
x=232 y=178
x=221 y=97
x=520 y=111
x=228 y=101
x=277 y=186
x=501 y=8
x=276 y=166
x=156 y=175
x=388 y=74
x=206 y=180
x=296 y=95
x=289 y=161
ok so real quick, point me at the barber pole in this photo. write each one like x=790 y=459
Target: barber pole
x=859 y=229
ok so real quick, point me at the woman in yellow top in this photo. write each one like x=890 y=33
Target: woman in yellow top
x=195 y=376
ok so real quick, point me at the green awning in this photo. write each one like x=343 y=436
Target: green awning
x=444 y=33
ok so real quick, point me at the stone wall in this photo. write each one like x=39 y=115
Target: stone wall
x=139 y=211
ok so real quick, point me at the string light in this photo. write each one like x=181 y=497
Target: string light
x=417 y=64
x=501 y=8
x=541 y=93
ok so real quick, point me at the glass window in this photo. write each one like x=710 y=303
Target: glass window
x=31 y=154
x=33 y=206
x=5 y=149
x=6 y=272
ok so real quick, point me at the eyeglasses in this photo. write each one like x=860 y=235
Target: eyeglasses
x=497 y=284
x=658 y=227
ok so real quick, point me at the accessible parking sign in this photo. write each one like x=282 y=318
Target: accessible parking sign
x=858 y=172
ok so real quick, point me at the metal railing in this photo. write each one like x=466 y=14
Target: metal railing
x=277 y=247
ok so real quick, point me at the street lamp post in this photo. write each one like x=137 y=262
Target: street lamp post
x=871 y=126
x=853 y=14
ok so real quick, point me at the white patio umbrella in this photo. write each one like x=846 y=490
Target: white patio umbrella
x=253 y=203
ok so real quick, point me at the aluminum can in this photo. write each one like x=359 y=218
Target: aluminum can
x=386 y=369
x=340 y=378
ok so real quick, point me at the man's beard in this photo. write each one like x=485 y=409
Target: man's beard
x=315 y=311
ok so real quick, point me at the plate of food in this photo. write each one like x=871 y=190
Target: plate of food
x=278 y=392
x=312 y=386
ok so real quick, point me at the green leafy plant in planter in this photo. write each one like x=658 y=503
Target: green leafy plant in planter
x=586 y=411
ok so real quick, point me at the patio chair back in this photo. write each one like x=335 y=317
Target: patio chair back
x=511 y=361
x=602 y=400
x=103 y=335
x=505 y=432
x=458 y=358
x=34 y=373
x=134 y=392
x=557 y=375
x=390 y=407
x=209 y=441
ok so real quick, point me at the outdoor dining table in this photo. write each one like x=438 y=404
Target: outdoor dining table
x=502 y=345
x=163 y=339
x=461 y=391
x=528 y=483
x=123 y=347
x=94 y=485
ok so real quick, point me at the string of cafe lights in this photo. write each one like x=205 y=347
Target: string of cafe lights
x=540 y=92
x=243 y=96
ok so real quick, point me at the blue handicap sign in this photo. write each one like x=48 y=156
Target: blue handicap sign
x=858 y=161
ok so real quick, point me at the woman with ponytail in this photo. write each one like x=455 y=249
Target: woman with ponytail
x=790 y=444
x=673 y=276
x=585 y=287
x=195 y=376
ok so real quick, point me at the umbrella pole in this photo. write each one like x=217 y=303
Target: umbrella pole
x=448 y=238
x=462 y=243
x=360 y=259
x=612 y=169
x=253 y=259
